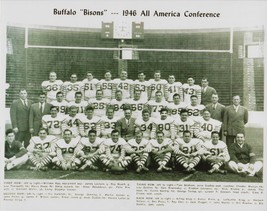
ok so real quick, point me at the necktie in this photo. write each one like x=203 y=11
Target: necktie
x=25 y=103
x=41 y=108
x=213 y=107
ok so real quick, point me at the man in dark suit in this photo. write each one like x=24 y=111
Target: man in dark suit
x=126 y=125
x=37 y=111
x=206 y=92
x=19 y=114
x=216 y=110
x=235 y=118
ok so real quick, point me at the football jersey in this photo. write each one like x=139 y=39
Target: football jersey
x=204 y=128
x=51 y=88
x=99 y=106
x=106 y=87
x=88 y=147
x=67 y=149
x=90 y=124
x=143 y=87
x=156 y=107
x=90 y=88
x=220 y=149
x=187 y=148
x=145 y=127
x=137 y=107
x=157 y=86
x=70 y=89
x=155 y=145
x=195 y=111
x=80 y=105
x=46 y=144
x=166 y=126
x=107 y=125
x=74 y=124
x=176 y=109
x=124 y=86
x=172 y=89
x=118 y=107
x=134 y=146
x=115 y=148
x=53 y=125
x=62 y=106
x=188 y=91
x=181 y=126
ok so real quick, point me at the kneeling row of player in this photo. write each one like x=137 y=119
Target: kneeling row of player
x=116 y=154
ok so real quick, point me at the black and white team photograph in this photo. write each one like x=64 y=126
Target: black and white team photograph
x=126 y=102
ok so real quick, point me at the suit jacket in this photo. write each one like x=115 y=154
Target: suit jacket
x=19 y=115
x=126 y=130
x=217 y=113
x=35 y=118
x=234 y=122
x=206 y=96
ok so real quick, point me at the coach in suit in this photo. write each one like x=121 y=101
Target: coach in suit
x=19 y=115
x=37 y=111
x=126 y=125
x=206 y=92
x=216 y=110
x=235 y=118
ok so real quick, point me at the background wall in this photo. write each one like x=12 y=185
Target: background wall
x=29 y=67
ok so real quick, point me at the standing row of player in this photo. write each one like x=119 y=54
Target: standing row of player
x=109 y=86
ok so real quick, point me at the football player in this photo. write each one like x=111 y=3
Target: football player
x=156 y=105
x=90 y=121
x=65 y=157
x=157 y=84
x=90 y=85
x=195 y=109
x=41 y=150
x=160 y=149
x=124 y=84
x=115 y=158
x=72 y=86
x=215 y=153
x=205 y=126
x=99 y=103
x=176 y=106
x=172 y=88
x=60 y=103
x=108 y=122
x=51 y=87
x=137 y=104
x=145 y=124
x=107 y=86
x=79 y=102
x=164 y=124
x=142 y=85
x=88 y=150
x=183 y=123
x=187 y=151
x=118 y=103
x=190 y=89
x=73 y=122
x=53 y=122
x=137 y=149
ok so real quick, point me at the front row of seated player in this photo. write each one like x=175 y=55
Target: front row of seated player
x=115 y=154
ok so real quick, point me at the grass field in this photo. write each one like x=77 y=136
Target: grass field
x=254 y=136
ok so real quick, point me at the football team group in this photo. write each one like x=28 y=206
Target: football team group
x=122 y=124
